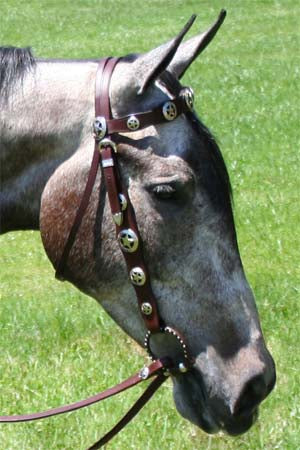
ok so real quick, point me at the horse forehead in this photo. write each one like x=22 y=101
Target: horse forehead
x=171 y=167
x=176 y=138
x=167 y=139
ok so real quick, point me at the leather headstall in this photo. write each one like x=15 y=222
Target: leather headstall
x=106 y=156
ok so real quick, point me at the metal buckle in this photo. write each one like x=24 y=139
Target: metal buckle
x=104 y=143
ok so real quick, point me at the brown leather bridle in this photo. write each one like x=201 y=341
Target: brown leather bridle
x=105 y=129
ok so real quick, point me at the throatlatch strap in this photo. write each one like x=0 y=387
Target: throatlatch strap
x=59 y=274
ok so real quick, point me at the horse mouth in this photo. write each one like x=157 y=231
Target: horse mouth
x=192 y=402
x=242 y=424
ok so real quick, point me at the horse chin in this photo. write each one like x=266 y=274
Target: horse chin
x=191 y=402
x=240 y=425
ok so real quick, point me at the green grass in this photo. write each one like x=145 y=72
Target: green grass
x=56 y=344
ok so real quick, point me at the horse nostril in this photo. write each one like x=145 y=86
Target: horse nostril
x=253 y=393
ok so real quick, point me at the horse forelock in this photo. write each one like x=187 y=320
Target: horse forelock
x=208 y=161
x=14 y=64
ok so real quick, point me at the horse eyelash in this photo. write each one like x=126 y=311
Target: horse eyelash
x=164 y=191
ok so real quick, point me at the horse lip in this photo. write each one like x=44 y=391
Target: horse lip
x=200 y=413
x=239 y=425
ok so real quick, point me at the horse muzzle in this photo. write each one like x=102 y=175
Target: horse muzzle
x=207 y=401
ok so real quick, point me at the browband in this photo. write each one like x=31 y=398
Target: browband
x=166 y=112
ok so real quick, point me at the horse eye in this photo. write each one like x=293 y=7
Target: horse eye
x=164 y=191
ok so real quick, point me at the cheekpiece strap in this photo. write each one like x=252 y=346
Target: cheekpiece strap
x=123 y=215
x=62 y=263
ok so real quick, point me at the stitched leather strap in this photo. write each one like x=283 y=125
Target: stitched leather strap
x=59 y=274
x=138 y=405
x=144 y=293
x=114 y=187
x=151 y=370
x=147 y=118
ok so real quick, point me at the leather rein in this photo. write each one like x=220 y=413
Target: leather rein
x=128 y=236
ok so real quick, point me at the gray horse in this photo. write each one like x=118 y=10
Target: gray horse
x=180 y=189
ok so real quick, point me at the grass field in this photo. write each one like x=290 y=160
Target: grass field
x=57 y=345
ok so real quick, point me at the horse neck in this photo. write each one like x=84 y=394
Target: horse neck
x=55 y=102
x=47 y=118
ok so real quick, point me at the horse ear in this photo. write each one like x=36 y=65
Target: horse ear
x=150 y=65
x=189 y=50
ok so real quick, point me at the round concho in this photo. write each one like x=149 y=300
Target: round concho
x=189 y=98
x=99 y=127
x=133 y=123
x=128 y=240
x=137 y=276
x=169 y=111
x=146 y=308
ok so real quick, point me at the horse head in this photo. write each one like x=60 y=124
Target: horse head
x=179 y=187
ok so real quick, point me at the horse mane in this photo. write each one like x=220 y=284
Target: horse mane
x=14 y=64
x=211 y=164
x=209 y=160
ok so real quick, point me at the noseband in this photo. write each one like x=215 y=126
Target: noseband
x=105 y=129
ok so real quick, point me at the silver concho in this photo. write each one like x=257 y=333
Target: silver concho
x=123 y=202
x=169 y=111
x=128 y=240
x=146 y=308
x=99 y=127
x=133 y=123
x=189 y=98
x=182 y=367
x=144 y=373
x=137 y=276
